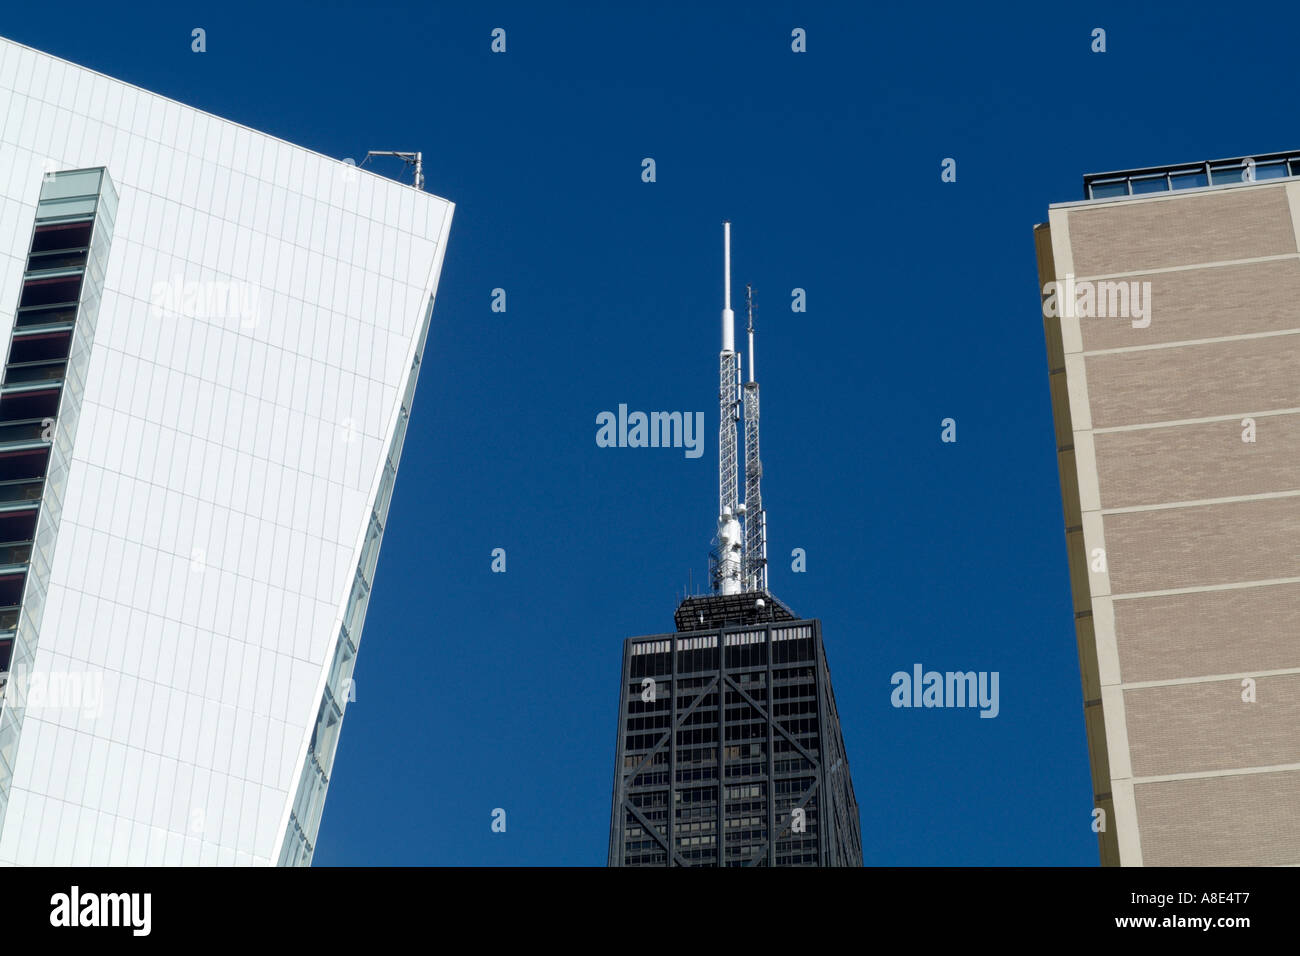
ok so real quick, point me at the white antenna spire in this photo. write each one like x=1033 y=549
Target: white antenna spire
x=749 y=308
x=755 y=555
x=728 y=317
x=727 y=564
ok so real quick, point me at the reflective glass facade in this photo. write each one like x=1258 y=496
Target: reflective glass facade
x=309 y=802
x=186 y=599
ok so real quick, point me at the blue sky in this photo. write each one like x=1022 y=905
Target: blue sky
x=478 y=690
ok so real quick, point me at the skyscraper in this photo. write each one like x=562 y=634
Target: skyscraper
x=1173 y=343
x=213 y=344
x=729 y=747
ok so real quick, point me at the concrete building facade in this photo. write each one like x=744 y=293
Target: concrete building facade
x=1171 y=303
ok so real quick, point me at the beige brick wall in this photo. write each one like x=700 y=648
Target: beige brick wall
x=1208 y=545
x=1234 y=820
x=1190 y=304
x=1199 y=633
x=1180 y=230
x=1197 y=462
x=1186 y=728
x=1194 y=381
x=1201 y=531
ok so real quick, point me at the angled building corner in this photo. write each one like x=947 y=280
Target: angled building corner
x=1173 y=348
x=214 y=341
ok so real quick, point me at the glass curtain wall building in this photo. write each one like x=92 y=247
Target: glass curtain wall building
x=213 y=339
x=729 y=746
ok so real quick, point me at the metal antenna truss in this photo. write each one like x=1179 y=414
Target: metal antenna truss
x=411 y=159
x=728 y=559
x=739 y=564
x=755 y=570
x=728 y=468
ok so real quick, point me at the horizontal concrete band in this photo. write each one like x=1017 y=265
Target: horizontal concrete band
x=1189 y=267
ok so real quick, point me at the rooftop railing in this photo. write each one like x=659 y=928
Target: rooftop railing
x=1157 y=179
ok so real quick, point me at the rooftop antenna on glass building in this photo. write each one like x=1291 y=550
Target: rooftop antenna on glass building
x=740 y=562
x=411 y=159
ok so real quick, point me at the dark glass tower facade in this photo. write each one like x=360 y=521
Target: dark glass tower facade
x=729 y=746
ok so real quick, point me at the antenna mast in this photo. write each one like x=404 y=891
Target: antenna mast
x=411 y=159
x=727 y=565
x=755 y=571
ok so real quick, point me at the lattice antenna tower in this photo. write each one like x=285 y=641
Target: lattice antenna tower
x=415 y=160
x=755 y=555
x=729 y=557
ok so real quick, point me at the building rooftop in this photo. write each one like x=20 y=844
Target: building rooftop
x=1211 y=172
x=708 y=612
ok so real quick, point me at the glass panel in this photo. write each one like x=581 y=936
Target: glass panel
x=370 y=551
x=1109 y=190
x=58 y=259
x=25 y=465
x=26 y=374
x=399 y=435
x=356 y=611
x=1221 y=175
x=17 y=527
x=1153 y=184
x=21 y=406
x=385 y=490
x=8 y=737
x=325 y=738
x=304 y=784
x=61 y=290
x=108 y=202
x=65 y=208
x=341 y=669
x=81 y=182
x=316 y=807
x=40 y=347
x=15 y=554
x=20 y=492
x=11 y=588
x=1189 y=180
x=22 y=432
x=1276 y=170
x=55 y=315
x=63 y=235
